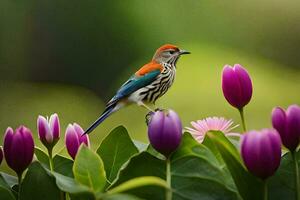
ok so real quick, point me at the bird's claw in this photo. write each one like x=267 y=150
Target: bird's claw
x=149 y=115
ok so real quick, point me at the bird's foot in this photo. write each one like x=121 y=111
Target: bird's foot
x=140 y=103
x=148 y=117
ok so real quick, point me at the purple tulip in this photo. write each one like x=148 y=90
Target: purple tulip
x=1 y=155
x=49 y=130
x=165 y=131
x=236 y=85
x=287 y=123
x=261 y=152
x=18 y=148
x=74 y=138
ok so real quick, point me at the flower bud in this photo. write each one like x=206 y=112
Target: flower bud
x=261 y=152
x=236 y=85
x=18 y=148
x=287 y=123
x=165 y=131
x=74 y=138
x=48 y=130
x=1 y=155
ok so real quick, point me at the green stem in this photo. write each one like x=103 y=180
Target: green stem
x=168 y=175
x=63 y=195
x=19 y=183
x=67 y=196
x=241 y=110
x=50 y=159
x=297 y=175
x=265 y=190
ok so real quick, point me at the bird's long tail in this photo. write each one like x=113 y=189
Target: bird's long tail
x=107 y=112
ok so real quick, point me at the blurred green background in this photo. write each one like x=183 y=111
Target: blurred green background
x=70 y=57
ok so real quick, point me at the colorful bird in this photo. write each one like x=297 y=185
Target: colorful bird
x=148 y=84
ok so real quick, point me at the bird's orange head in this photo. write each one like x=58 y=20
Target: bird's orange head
x=168 y=53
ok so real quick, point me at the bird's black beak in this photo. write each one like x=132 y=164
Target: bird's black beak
x=181 y=52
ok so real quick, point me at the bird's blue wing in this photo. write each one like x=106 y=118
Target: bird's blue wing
x=133 y=84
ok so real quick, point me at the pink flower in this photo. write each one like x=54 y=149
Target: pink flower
x=74 y=138
x=201 y=127
x=48 y=130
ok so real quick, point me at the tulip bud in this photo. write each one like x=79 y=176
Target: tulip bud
x=18 y=148
x=236 y=85
x=1 y=155
x=74 y=138
x=287 y=123
x=261 y=152
x=49 y=130
x=165 y=131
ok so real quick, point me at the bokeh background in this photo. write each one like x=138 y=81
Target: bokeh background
x=69 y=57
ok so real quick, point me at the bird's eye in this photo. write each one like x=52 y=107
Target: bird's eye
x=171 y=52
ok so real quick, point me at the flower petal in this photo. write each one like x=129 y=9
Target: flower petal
x=55 y=126
x=44 y=131
x=245 y=83
x=72 y=141
x=293 y=127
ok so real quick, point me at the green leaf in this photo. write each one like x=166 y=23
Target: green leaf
x=113 y=194
x=6 y=194
x=138 y=182
x=3 y=182
x=5 y=189
x=282 y=184
x=155 y=153
x=140 y=145
x=9 y=179
x=63 y=165
x=248 y=185
x=120 y=197
x=189 y=146
x=210 y=144
x=88 y=169
x=115 y=150
x=37 y=185
x=219 y=138
x=83 y=196
x=69 y=185
x=41 y=156
x=195 y=174
x=143 y=164
x=222 y=165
